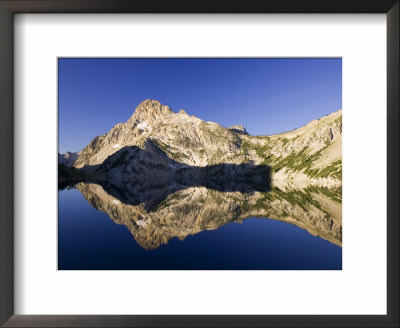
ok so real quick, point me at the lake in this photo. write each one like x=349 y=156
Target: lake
x=120 y=227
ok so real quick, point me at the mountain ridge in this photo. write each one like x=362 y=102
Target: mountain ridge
x=68 y=159
x=312 y=152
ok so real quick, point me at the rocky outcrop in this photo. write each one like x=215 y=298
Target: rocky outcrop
x=68 y=159
x=238 y=129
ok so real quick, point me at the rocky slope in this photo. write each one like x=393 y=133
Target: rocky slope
x=311 y=153
x=192 y=210
x=68 y=159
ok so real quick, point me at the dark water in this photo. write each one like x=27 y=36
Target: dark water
x=88 y=239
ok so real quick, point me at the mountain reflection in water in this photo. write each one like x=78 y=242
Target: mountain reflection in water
x=156 y=213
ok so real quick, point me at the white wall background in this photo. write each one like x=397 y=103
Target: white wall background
x=360 y=288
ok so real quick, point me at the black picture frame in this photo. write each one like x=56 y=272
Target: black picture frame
x=10 y=7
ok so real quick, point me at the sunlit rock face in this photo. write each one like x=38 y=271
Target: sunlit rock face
x=311 y=153
x=165 y=212
x=184 y=138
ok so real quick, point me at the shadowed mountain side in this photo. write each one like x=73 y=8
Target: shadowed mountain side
x=151 y=161
x=140 y=189
x=148 y=175
x=192 y=210
x=150 y=192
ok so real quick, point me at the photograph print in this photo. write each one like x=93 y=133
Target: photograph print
x=199 y=164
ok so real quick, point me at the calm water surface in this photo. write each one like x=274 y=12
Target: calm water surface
x=90 y=240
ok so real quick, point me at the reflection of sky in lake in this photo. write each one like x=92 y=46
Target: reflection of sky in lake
x=89 y=239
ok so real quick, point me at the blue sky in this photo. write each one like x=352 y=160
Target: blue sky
x=266 y=95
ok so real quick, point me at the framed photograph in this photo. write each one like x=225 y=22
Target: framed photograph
x=199 y=164
x=190 y=193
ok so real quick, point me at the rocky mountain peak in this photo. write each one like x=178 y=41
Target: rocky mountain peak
x=238 y=129
x=150 y=109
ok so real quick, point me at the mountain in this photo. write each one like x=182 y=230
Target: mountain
x=192 y=210
x=184 y=138
x=156 y=137
x=68 y=159
x=238 y=129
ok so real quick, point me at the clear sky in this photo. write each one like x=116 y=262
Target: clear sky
x=266 y=95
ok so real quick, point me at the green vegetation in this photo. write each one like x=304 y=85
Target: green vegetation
x=170 y=151
x=244 y=147
x=216 y=157
x=160 y=145
x=296 y=161
x=303 y=198
x=69 y=172
x=262 y=150
x=338 y=122
x=334 y=170
x=285 y=140
x=333 y=193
